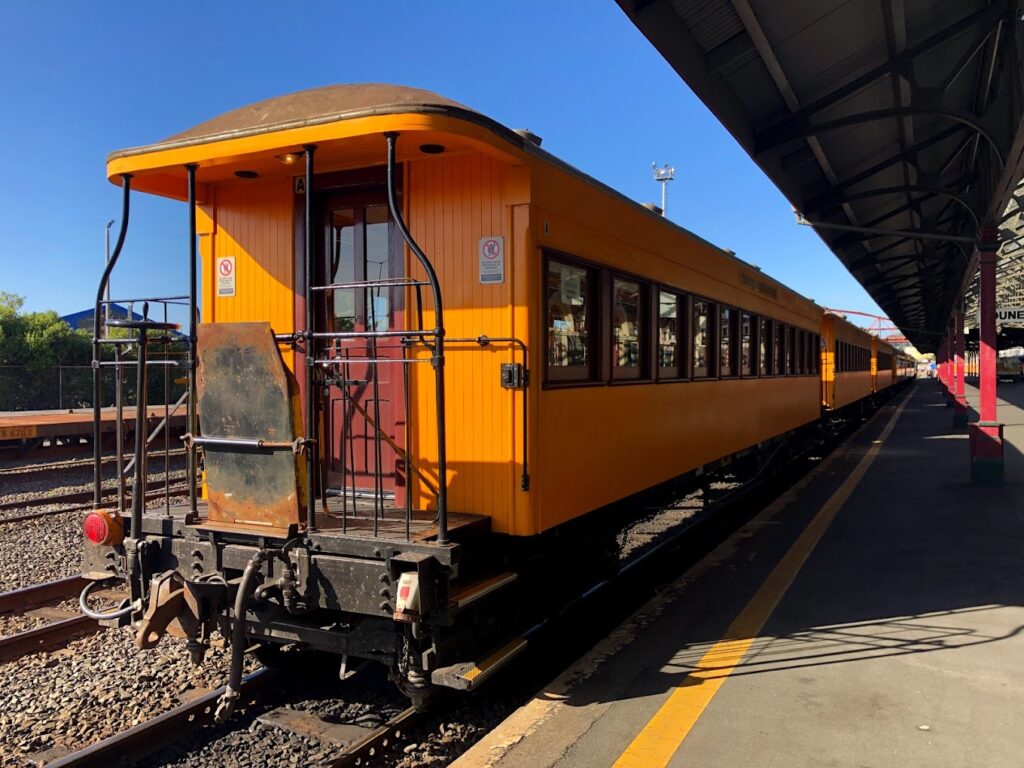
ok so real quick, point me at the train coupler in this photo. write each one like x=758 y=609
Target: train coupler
x=172 y=608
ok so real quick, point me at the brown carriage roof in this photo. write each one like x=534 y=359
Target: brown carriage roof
x=333 y=103
x=312 y=106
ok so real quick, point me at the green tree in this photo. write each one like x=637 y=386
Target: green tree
x=32 y=345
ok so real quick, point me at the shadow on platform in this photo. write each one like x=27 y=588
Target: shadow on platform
x=917 y=561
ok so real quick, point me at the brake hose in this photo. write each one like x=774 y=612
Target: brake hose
x=83 y=603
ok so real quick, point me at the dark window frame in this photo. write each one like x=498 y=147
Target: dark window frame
x=710 y=350
x=750 y=361
x=640 y=372
x=733 y=323
x=680 y=371
x=768 y=339
x=570 y=376
x=780 y=348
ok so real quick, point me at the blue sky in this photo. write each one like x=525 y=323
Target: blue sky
x=82 y=79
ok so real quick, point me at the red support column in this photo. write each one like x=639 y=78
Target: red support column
x=950 y=367
x=959 y=393
x=943 y=369
x=987 y=433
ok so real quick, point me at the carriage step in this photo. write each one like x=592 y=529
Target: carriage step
x=471 y=675
x=470 y=593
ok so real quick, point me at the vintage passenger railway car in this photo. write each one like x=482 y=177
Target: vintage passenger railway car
x=429 y=349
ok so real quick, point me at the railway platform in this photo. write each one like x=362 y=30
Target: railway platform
x=872 y=615
x=22 y=432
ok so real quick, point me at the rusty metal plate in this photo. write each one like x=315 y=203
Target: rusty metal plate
x=246 y=392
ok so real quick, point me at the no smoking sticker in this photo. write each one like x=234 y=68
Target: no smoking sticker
x=492 y=260
x=226 y=276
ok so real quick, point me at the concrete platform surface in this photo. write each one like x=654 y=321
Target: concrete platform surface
x=872 y=616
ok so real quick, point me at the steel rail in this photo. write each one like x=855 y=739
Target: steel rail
x=78 y=498
x=147 y=737
x=40 y=594
x=367 y=746
x=53 y=635
x=31 y=470
x=56 y=634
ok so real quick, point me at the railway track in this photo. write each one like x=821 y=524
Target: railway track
x=30 y=471
x=352 y=744
x=62 y=625
x=554 y=642
x=144 y=739
x=77 y=500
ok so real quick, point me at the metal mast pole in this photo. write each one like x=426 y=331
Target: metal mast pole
x=663 y=176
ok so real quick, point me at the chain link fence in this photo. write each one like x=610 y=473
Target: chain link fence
x=66 y=387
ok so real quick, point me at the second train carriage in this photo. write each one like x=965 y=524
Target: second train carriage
x=370 y=463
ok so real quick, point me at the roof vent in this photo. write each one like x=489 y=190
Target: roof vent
x=653 y=208
x=529 y=135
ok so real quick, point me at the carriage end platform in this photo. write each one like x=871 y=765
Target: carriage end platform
x=870 y=616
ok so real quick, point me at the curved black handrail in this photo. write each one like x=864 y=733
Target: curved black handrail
x=437 y=358
x=192 y=467
x=312 y=423
x=97 y=452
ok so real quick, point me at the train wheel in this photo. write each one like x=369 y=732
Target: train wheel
x=422 y=694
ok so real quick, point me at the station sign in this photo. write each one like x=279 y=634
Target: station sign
x=1006 y=315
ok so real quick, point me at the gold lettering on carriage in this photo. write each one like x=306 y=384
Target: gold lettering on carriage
x=749 y=281
x=18 y=433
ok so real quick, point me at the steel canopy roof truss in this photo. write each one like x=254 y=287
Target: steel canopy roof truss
x=900 y=115
x=1010 y=264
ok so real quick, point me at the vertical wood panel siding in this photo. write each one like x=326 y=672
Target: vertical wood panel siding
x=452 y=202
x=252 y=221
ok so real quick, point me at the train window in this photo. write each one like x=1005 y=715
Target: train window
x=343 y=266
x=570 y=322
x=764 y=339
x=727 y=341
x=790 y=350
x=748 y=350
x=628 y=318
x=815 y=353
x=802 y=349
x=670 y=335
x=378 y=264
x=701 y=338
x=780 y=349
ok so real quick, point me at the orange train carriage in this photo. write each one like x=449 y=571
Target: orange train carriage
x=429 y=350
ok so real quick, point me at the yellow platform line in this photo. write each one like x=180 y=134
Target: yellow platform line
x=655 y=745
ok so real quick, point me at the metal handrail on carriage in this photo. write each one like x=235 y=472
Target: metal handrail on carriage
x=141 y=342
x=341 y=366
x=433 y=340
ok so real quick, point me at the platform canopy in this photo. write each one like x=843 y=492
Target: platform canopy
x=894 y=127
x=1009 y=267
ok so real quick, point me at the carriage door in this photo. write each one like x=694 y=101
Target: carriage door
x=363 y=397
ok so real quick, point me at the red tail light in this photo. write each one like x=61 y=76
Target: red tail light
x=101 y=527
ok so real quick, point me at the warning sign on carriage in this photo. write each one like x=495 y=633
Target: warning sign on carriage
x=492 y=260
x=226 y=276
